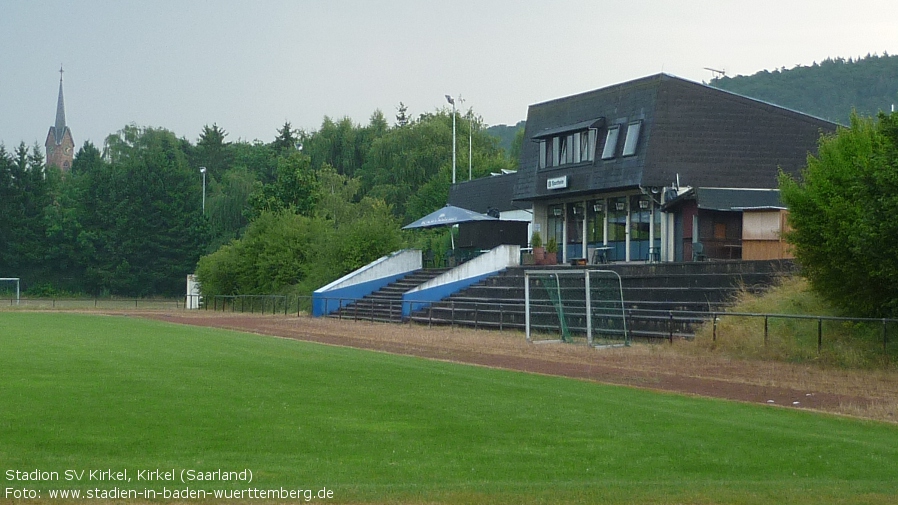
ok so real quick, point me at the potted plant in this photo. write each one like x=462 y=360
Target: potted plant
x=552 y=252
x=539 y=252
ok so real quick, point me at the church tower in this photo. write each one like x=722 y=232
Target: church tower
x=59 y=144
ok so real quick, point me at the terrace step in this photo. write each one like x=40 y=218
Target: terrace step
x=385 y=304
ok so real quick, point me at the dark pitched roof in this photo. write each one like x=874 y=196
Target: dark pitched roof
x=589 y=123
x=480 y=195
x=706 y=136
x=729 y=199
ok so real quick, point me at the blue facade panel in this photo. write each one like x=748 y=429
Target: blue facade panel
x=330 y=301
x=422 y=299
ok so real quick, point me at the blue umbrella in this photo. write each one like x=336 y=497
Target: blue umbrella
x=448 y=216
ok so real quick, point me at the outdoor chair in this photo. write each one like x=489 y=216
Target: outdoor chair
x=430 y=259
x=698 y=252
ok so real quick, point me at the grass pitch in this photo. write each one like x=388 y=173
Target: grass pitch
x=86 y=392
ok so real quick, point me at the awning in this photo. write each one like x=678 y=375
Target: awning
x=448 y=216
x=582 y=125
x=729 y=199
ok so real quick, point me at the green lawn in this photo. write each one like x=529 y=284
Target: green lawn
x=97 y=392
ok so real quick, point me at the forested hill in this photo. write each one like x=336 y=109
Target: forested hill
x=829 y=90
x=505 y=134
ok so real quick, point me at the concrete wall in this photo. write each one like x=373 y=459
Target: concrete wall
x=193 y=293
x=365 y=281
x=460 y=277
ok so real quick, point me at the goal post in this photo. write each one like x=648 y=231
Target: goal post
x=12 y=279
x=575 y=305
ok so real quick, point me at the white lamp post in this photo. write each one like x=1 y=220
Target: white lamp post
x=450 y=100
x=203 y=171
x=470 y=136
x=470 y=142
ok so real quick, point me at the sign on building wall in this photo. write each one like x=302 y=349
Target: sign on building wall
x=557 y=182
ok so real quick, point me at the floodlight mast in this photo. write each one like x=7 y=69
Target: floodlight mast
x=470 y=136
x=203 y=171
x=452 y=101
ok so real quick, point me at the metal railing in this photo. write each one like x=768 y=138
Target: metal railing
x=884 y=323
x=647 y=324
x=100 y=303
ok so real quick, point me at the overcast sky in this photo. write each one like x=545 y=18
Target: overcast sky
x=251 y=65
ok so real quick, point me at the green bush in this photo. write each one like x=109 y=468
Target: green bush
x=842 y=214
x=283 y=253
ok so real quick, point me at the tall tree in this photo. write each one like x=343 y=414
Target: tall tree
x=287 y=140
x=142 y=218
x=212 y=151
x=842 y=213
x=402 y=118
x=411 y=167
x=293 y=191
x=27 y=188
x=87 y=158
x=227 y=206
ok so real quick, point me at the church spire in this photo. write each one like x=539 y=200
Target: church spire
x=60 y=144
x=60 y=112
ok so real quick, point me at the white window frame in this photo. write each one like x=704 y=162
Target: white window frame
x=555 y=151
x=632 y=139
x=610 y=149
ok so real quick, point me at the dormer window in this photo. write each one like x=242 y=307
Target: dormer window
x=611 y=142
x=632 y=138
x=587 y=147
x=568 y=148
x=570 y=144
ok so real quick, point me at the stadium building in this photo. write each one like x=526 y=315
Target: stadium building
x=659 y=168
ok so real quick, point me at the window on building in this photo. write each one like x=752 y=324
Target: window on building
x=574 y=147
x=587 y=145
x=556 y=147
x=564 y=152
x=595 y=229
x=632 y=138
x=542 y=153
x=610 y=142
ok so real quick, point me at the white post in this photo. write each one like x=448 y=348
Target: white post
x=203 y=171
x=452 y=101
x=527 y=305
x=470 y=144
x=588 y=309
x=17 y=286
x=453 y=143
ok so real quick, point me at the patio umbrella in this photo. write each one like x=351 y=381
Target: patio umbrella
x=448 y=216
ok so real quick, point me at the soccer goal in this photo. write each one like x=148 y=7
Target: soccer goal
x=12 y=279
x=575 y=306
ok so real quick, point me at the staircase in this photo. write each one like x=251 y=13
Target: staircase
x=662 y=300
x=385 y=304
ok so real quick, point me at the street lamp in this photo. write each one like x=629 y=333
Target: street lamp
x=470 y=142
x=203 y=171
x=470 y=136
x=450 y=100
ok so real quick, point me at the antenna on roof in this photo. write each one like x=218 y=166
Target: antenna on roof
x=717 y=73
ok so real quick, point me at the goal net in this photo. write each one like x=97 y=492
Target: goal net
x=4 y=280
x=575 y=306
